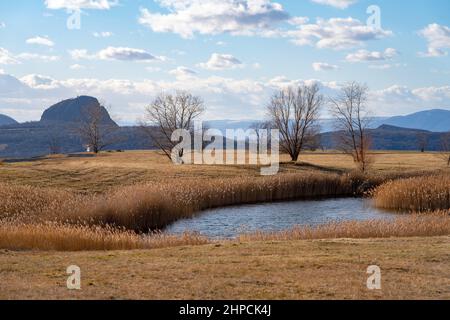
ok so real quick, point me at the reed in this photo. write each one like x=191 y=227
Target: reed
x=422 y=194
x=148 y=206
x=60 y=237
x=415 y=225
x=152 y=206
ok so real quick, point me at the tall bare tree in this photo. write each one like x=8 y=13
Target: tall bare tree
x=94 y=129
x=352 y=119
x=445 y=148
x=294 y=112
x=260 y=125
x=422 y=141
x=170 y=112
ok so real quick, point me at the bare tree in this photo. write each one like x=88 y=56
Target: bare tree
x=95 y=128
x=260 y=125
x=168 y=113
x=422 y=141
x=352 y=119
x=294 y=112
x=54 y=142
x=445 y=148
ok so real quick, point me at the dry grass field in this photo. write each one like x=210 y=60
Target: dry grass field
x=42 y=200
x=413 y=268
x=98 y=174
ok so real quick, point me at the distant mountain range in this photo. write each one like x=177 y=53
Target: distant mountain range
x=388 y=137
x=436 y=120
x=57 y=126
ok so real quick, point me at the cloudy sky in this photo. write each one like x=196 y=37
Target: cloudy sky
x=234 y=53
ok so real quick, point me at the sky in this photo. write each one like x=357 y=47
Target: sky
x=233 y=53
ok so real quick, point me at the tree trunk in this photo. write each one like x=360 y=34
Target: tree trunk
x=294 y=157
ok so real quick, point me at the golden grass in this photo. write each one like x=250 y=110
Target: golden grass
x=415 y=194
x=412 y=268
x=416 y=225
x=60 y=237
x=110 y=170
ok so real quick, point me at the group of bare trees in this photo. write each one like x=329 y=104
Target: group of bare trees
x=294 y=111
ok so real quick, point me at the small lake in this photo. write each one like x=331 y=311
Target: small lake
x=231 y=221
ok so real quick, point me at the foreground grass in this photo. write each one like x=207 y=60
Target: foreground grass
x=413 y=268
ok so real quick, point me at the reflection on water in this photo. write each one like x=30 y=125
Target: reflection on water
x=231 y=221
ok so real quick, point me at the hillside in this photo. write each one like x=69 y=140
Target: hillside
x=74 y=110
x=388 y=137
x=5 y=120
x=436 y=120
x=57 y=128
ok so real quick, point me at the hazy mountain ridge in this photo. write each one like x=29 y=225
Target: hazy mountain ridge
x=58 y=123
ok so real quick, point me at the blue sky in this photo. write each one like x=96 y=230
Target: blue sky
x=234 y=53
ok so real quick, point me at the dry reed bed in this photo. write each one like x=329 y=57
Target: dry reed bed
x=421 y=194
x=60 y=237
x=415 y=225
x=147 y=207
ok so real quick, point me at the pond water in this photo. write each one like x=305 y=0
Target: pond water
x=229 y=222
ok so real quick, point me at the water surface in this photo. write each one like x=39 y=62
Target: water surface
x=231 y=221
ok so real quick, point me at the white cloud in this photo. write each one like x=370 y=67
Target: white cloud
x=221 y=62
x=225 y=97
x=364 y=55
x=77 y=67
x=323 y=66
x=37 y=57
x=42 y=41
x=335 y=33
x=402 y=99
x=6 y=57
x=341 y=4
x=125 y=54
x=104 y=34
x=438 y=38
x=80 y=4
x=116 y=53
x=237 y=17
x=2 y=25
x=37 y=81
x=183 y=72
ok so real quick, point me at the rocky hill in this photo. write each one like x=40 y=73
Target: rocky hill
x=75 y=110
x=5 y=120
